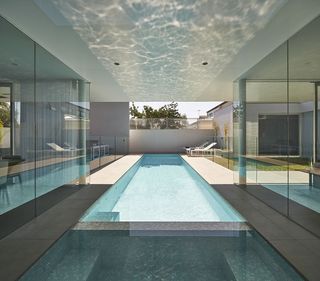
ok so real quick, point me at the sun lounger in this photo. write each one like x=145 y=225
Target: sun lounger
x=208 y=150
x=203 y=145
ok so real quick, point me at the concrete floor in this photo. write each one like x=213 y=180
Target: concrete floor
x=212 y=172
x=111 y=173
x=22 y=248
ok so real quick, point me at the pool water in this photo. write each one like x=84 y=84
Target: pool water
x=161 y=188
x=48 y=178
x=121 y=255
x=161 y=221
x=303 y=194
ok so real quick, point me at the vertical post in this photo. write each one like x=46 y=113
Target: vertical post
x=315 y=123
x=256 y=161
x=242 y=132
x=82 y=136
x=12 y=122
x=228 y=150
x=100 y=145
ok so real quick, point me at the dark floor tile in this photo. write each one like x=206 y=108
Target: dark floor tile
x=312 y=245
x=48 y=227
x=292 y=247
x=81 y=204
x=91 y=192
x=16 y=256
x=311 y=273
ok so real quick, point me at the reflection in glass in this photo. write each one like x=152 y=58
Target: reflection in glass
x=282 y=144
x=43 y=126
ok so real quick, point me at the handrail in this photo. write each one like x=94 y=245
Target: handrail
x=170 y=123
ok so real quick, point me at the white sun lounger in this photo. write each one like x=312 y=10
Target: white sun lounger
x=208 y=150
x=203 y=145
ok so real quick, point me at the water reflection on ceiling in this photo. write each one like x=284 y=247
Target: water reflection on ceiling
x=168 y=49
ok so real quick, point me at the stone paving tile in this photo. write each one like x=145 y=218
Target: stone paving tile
x=111 y=173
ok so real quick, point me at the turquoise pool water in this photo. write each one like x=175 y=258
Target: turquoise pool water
x=161 y=221
x=48 y=178
x=300 y=193
x=161 y=188
x=93 y=255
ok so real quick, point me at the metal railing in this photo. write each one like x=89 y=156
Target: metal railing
x=170 y=123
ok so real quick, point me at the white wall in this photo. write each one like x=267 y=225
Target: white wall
x=166 y=141
x=223 y=119
x=109 y=119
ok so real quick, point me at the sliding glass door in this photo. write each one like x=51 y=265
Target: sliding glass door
x=276 y=128
x=44 y=117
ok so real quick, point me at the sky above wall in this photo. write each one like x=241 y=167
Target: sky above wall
x=191 y=109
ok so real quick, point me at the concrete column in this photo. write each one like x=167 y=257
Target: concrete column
x=83 y=96
x=242 y=133
x=315 y=124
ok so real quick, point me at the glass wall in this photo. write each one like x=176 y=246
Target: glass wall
x=44 y=117
x=102 y=150
x=276 y=128
x=303 y=83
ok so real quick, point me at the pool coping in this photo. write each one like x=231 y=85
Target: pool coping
x=163 y=226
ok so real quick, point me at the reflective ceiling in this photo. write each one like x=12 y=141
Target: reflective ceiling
x=169 y=49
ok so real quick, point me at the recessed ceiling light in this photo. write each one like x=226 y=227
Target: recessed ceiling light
x=205 y=63
x=116 y=63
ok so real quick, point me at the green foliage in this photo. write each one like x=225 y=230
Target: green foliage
x=134 y=112
x=4 y=114
x=166 y=111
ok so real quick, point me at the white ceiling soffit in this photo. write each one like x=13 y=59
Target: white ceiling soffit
x=161 y=46
x=43 y=23
x=294 y=15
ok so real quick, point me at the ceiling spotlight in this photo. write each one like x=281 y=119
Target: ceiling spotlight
x=205 y=63
x=116 y=63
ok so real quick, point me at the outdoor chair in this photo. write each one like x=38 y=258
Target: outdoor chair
x=203 y=145
x=208 y=150
x=64 y=151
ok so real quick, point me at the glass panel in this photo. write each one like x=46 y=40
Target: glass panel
x=17 y=184
x=304 y=175
x=121 y=146
x=108 y=150
x=261 y=130
x=62 y=114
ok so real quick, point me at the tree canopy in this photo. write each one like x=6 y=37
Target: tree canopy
x=4 y=114
x=167 y=111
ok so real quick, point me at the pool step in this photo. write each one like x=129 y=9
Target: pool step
x=248 y=266
x=103 y=216
x=76 y=265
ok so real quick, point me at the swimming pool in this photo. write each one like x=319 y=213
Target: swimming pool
x=161 y=187
x=122 y=255
x=161 y=221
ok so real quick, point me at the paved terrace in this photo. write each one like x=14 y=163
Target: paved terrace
x=212 y=172
x=111 y=173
